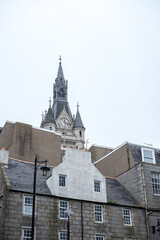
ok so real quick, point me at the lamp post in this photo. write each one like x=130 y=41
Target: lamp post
x=69 y=213
x=45 y=169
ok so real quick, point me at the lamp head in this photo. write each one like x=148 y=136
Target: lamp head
x=45 y=169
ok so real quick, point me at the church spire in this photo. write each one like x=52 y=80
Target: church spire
x=78 y=121
x=60 y=75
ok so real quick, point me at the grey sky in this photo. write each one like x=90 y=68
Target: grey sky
x=110 y=56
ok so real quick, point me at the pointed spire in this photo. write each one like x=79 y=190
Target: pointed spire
x=77 y=106
x=60 y=70
x=78 y=121
x=50 y=102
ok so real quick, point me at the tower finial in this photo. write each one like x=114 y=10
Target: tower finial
x=77 y=106
x=60 y=59
x=50 y=102
x=60 y=71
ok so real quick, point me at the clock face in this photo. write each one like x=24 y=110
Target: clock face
x=64 y=122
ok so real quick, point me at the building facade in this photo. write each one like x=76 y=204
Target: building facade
x=137 y=168
x=115 y=215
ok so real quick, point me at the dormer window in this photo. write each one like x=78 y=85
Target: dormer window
x=148 y=155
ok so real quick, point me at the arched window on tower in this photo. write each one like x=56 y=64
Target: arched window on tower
x=80 y=133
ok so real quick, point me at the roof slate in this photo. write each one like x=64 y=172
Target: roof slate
x=58 y=107
x=118 y=194
x=78 y=121
x=21 y=174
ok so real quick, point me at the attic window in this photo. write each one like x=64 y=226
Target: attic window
x=148 y=155
x=97 y=186
x=62 y=180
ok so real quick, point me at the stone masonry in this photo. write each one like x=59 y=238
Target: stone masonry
x=48 y=224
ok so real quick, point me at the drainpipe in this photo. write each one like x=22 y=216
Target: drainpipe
x=82 y=220
x=145 y=199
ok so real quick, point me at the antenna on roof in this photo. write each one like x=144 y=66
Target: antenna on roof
x=149 y=144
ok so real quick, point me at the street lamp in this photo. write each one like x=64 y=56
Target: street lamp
x=45 y=169
x=69 y=213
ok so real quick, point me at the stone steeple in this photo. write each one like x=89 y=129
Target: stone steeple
x=60 y=94
x=59 y=118
x=78 y=121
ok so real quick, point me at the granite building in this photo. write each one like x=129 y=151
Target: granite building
x=137 y=168
x=102 y=208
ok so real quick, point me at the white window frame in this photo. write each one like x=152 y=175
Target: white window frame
x=143 y=155
x=27 y=205
x=61 y=184
x=99 y=236
x=62 y=209
x=30 y=229
x=97 y=186
x=127 y=217
x=98 y=213
x=130 y=238
x=63 y=232
x=156 y=183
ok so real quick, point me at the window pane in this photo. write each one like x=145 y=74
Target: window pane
x=98 y=213
x=127 y=217
x=28 y=203
x=63 y=206
x=97 y=186
x=99 y=237
x=156 y=183
x=63 y=236
x=62 y=180
x=26 y=233
x=148 y=155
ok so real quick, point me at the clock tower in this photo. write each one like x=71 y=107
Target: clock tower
x=59 y=118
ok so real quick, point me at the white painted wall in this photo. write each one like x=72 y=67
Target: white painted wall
x=80 y=175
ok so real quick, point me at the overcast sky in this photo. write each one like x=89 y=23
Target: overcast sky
x=110 y=56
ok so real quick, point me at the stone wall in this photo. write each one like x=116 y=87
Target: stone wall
x=153 y=201
x=24 y=141
x=48 y=224
x=142 y=188
x=133 y=182
x=153 y=218
x=4 y=191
